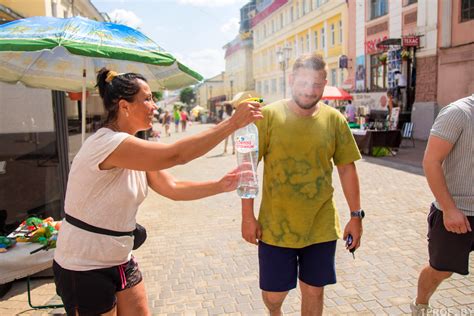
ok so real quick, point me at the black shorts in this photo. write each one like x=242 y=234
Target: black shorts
x=280 y=267
x=93 y=292
x=448 y=251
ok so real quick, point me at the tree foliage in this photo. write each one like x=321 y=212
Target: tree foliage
x=186 y=95
x=158 y=95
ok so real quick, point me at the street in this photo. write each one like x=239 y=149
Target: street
x=195 y=262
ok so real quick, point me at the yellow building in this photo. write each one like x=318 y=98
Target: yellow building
x=56 y=8
x=238 y=66
x=211 y=92
x=295 y=27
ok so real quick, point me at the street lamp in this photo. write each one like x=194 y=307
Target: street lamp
x=283 y=56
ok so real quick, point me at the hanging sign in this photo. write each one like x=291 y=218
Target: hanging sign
x=411 y=41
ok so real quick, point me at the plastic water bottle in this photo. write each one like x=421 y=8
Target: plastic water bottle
x=246 y=147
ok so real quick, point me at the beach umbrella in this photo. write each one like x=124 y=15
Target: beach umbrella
x=65 y=54
x=335 y=93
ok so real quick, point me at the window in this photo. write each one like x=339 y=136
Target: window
x=281 y=20
x=265 y=87
x=315 y=40
x=333 y=77
x=264 y=30
x=274 y=85
x=273 y=26
x=291 y=14
x=323 y=38
x=304 y=6
x=307 y=43
x=378 y=8
x=378 y=77
x=340 y=32
x=282 y=84
x=259 y=87
x=65 y=13
x=297 y=10
x=333 y=35
x=467 y=10
x=301 y=45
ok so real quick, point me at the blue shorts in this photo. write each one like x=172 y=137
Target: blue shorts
x=280 y=266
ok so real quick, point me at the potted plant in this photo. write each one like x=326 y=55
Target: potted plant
x=383 y=58
x=405 y=55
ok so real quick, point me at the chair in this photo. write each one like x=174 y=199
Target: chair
x=407 y=132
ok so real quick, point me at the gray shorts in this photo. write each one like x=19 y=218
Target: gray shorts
x=448 y=251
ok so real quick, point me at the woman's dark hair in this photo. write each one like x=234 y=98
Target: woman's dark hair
x=122 y=86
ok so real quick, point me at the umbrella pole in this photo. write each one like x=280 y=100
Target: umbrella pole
x=83 y=102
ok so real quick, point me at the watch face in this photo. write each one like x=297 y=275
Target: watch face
x=359 y=214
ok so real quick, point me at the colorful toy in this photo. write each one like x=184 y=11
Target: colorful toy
x=36 y=230
x=6 y=243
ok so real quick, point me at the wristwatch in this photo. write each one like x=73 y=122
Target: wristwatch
x=359 y=214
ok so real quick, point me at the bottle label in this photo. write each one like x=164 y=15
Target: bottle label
x=245 y=143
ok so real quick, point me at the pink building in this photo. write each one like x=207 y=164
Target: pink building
x=430 y=42
x=455 y=50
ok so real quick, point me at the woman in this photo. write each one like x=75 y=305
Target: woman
x=184 y=119
x=95 y=273
x=167 y=122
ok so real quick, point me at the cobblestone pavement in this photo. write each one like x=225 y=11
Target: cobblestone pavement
x=195 y=262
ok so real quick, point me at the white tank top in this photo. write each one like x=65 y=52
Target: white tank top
x=103 y=198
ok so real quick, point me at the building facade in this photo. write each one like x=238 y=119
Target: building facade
x=238 y=56
x=211 y=93
x=36 y=140
x=283 y=30
x=427 y=41
x=56 y=8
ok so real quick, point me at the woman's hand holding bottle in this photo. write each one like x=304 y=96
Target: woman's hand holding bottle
x=246 y=113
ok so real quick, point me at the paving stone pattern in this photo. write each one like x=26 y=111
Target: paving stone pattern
x=196 y=263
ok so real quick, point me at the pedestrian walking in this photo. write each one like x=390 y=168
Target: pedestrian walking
x=95 y=271
x=184 y=119
x=448 y=164
x=229 y=110
x=167 y=122
x=177 y=117
x=298 y=225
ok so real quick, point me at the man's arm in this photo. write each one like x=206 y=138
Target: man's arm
x=436 y=152
x=251 y=230
x=350 y=187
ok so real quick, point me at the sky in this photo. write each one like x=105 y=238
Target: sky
x=194 y=31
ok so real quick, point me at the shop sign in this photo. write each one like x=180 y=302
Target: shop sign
x=371 y=45
x=343 y=61
x=411 y=41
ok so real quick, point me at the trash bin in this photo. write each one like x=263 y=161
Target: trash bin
x=203 y=118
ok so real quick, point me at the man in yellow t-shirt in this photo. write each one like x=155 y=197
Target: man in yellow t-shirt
x=299 y=140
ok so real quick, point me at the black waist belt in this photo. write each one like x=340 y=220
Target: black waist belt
x=94 y=229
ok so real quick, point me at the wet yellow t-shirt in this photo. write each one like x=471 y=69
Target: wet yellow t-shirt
x=297 y=207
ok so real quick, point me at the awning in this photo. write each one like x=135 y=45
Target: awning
x=389 y=42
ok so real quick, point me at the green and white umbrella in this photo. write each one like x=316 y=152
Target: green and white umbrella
x=65 y=54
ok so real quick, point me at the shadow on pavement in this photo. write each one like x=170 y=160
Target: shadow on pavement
x=408 y=158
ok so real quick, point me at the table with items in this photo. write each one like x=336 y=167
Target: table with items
x=367 y=140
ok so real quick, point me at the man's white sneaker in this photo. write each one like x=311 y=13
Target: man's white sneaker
x=420 y=309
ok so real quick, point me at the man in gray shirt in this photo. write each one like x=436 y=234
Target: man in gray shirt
x=449 y=169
